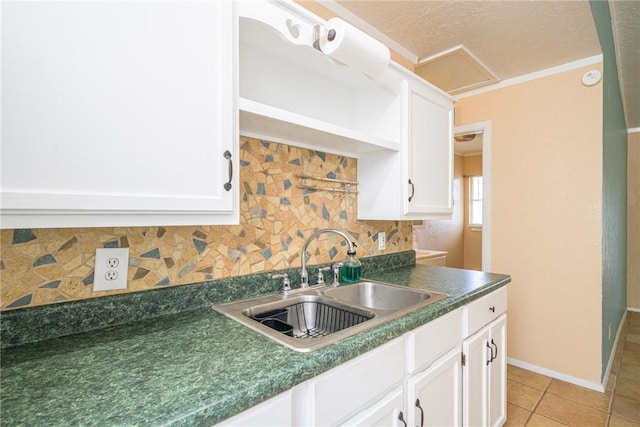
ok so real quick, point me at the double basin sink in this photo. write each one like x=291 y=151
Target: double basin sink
x=311 y=318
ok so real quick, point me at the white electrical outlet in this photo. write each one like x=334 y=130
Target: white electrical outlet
x=382 y=241
x=111 y=269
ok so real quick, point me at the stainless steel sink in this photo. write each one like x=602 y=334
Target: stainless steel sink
x=379 y=296
x=310 y=318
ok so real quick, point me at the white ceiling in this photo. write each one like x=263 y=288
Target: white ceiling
x=511 y=38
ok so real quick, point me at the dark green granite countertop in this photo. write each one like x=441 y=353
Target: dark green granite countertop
x=192 y=368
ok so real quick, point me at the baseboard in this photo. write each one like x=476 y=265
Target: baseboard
x=574 y=380
x=605 y=377
x=555 y=374
x=633 y=309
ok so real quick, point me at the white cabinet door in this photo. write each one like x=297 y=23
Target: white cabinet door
x=415 y=183
x=386 y=412
x=434 y=395
x=429 y=189
x=475 y=379
x=498 y=372
x=484 y=375
x=118 y=113
x=275 y=412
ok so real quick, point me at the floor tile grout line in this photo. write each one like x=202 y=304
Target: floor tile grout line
x=586 y=405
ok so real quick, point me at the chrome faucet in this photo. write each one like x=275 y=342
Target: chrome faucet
x=304 y=274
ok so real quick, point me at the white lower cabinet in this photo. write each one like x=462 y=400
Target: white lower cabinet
x=484 y=368
x=433 y=369
x=386 y=412
x=433 y=396
x=275 y=412
x=498 y=373
x=337 y=395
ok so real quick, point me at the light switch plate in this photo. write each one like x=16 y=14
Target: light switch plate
x=111 y=269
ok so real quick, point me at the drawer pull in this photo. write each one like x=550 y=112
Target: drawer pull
x=421 y=412
x=401 y=418
x=492 y=309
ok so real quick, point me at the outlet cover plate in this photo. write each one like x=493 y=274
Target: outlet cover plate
x=382 y=241
x=111 y=269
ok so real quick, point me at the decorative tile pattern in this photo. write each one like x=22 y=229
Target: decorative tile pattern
x=44 y=322
x=275 y=219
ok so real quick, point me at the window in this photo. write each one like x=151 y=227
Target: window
x=475 y=200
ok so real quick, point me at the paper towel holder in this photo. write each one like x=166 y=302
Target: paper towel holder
x=317 y=33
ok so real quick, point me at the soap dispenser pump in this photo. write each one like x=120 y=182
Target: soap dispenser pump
x=351 y=269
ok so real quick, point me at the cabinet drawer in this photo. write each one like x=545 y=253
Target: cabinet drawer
x=384 y=412
x=484 y=310
x=273 y=412
x=354 y=385
x=426 y=343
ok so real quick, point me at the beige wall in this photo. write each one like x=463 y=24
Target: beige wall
x=473 y=165
x=446 y=235
x=546 y=207
x=633 y=222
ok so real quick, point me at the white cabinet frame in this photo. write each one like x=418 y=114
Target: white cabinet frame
x=118 y=113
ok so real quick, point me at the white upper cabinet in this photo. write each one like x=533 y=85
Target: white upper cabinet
x=429 y=153
x=417 y=182
x=291 y=92
x=399 y=126
x=118 y=113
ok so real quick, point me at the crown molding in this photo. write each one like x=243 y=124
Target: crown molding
x=596 y=59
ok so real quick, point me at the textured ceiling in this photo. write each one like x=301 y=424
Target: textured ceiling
x=511 y=38
x=626 y=26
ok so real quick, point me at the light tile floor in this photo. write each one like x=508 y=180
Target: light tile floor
x=535 y=400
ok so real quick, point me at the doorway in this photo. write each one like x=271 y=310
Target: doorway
x=466 y=236
x=482 y=129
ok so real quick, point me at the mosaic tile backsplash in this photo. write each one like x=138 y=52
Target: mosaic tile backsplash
x=46 y=266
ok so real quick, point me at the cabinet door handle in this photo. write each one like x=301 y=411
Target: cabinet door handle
x=227 y=155
x=413 y=190
x=421 y=412
x=496 y=346
x=490 y=359
x=401 y=418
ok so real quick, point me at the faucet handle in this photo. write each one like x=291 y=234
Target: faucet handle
x=320 y=275
x=336 y=274
x=286 y=283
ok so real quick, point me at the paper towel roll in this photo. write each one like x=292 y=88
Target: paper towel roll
x=355 y=48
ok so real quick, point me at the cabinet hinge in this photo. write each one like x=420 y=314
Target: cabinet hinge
x=464 y=359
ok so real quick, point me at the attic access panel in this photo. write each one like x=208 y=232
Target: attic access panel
x=455 y=71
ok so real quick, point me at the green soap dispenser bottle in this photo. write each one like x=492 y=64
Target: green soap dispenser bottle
x=351 y=269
